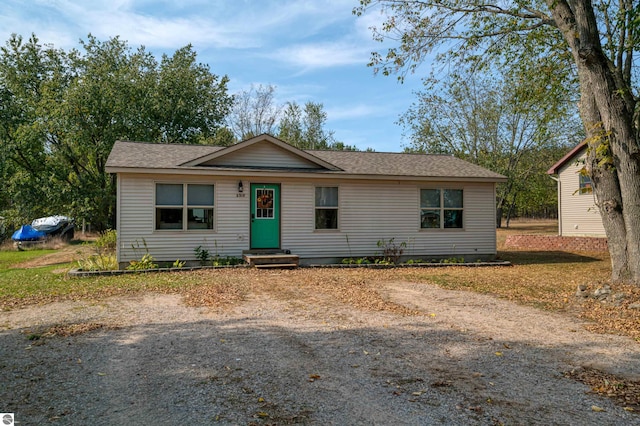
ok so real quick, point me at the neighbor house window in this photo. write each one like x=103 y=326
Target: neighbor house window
x=184 y=206
x=585 y=185
x=441 y=208
x=327 y=207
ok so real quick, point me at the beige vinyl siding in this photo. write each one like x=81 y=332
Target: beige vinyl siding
x=368 y=212
x=373 y=211
x=136 y=226
x=579 y=215
x=263 y=154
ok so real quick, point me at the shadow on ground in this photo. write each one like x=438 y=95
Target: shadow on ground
x=546 y=257
x=248 y=371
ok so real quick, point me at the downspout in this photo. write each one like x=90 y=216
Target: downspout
x=117 y=214
x=559 y=205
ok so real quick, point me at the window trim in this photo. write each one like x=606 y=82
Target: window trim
x=336 y=208
x=442 y=209
x=185 y=207
x=585 y=184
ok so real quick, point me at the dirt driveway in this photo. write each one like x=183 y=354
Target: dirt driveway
x=453 y=358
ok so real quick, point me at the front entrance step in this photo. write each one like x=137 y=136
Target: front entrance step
x=272 y=260
x=277 y=266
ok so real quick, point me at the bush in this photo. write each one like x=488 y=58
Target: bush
x=98 y=262
x=107 y=241
x=391 y=251
x=146 y=262
x=104 y=258
x=227 y=261
x=202 y=254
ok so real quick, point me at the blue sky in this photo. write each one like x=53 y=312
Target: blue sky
x=310 y=50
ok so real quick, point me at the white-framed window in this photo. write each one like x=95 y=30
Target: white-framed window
x=264 y=203
x=184 y=206
x=584 y=184
x=441 y=208
x=326 y=207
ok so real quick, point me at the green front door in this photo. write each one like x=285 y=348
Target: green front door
x=265 y=216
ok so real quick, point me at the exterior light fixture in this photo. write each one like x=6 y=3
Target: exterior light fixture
x=240 y=187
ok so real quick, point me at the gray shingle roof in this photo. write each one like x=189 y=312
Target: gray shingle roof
x=155 y=155
x=401 y=164
x=140 y=155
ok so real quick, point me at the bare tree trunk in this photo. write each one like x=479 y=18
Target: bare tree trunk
x=607 y=191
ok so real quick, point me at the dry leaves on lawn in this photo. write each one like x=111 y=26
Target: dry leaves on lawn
x=624 y=392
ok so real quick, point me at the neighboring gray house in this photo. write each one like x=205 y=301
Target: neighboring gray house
x=264 y=194
x=578 y=214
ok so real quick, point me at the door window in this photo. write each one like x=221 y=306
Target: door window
x=264 y=203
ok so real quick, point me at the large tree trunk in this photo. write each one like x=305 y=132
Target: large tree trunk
x=606 y=188
x=607 y=191
x=608 y=120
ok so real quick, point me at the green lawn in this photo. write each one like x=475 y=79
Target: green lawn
x=26 y=286
x=8 y=258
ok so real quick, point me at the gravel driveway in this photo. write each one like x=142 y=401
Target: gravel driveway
x=461 y=359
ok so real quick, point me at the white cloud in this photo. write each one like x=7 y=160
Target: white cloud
x=350 y=112
x=241 y=24
x=152 y=26
x=158 y=29
x=321 y=55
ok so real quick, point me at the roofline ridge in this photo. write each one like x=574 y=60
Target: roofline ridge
x=168 y=143
x=382 y=152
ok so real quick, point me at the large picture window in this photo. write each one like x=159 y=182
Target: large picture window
x=327 y=207
x=184 y=206
x=441 y=208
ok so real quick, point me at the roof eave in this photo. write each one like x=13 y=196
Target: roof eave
x=567 y=157
x=299 y=174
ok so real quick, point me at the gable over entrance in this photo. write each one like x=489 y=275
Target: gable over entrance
x=263 y=152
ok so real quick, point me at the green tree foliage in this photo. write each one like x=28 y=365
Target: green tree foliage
x=537 y=196
x=291 y=125
x=62 y=112
x=491 y=122
x=587 y=46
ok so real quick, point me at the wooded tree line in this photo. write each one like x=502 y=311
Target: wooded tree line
x=61 y=112
x=486 y=120
x=567 y=51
